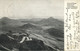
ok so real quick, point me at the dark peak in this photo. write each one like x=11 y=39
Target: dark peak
x=28 y=24
x=54 y=19
x=5 y=18
x=50 y=18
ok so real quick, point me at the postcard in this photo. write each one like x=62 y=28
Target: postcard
x=39 y=25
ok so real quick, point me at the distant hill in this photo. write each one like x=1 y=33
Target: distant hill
x=55 y=32
x=47 y=22
x=52 y=22
x=31 y=19
x=29 y=25
x=7 y=24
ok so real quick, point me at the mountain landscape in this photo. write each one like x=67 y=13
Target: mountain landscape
x=47 y=33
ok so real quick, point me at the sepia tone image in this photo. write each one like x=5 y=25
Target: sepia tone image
x=31 y=25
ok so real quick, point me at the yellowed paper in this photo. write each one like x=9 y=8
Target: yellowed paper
x=72 y=25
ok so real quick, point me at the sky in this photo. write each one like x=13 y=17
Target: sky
x=18 y=9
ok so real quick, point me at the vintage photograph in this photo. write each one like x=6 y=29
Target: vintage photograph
x=31 y=25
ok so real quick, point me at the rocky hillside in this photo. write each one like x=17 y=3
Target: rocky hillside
x=8 y=44
x=48 y=31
